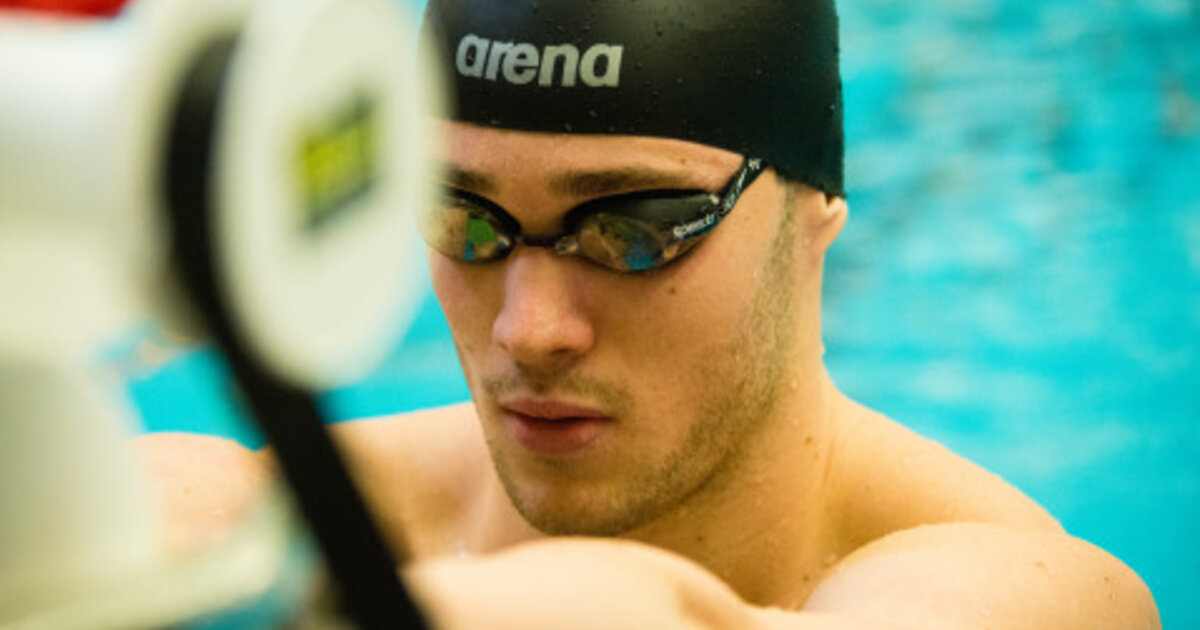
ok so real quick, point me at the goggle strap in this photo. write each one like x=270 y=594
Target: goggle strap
x=749 y=171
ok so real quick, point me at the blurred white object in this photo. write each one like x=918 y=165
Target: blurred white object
x=322 y=161
x=78 y=534
x=77 y=520
x=319 y=155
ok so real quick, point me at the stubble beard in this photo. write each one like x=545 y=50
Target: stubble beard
x=740 y=381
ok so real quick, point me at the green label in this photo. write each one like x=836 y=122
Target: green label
x=338 y=162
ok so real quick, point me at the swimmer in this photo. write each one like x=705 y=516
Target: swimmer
x=653 y=441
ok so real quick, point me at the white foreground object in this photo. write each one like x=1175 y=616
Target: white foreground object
x=319 y=157
x=323 y=159
x=79 y=540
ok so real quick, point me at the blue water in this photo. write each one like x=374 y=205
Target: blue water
x=1020 y=278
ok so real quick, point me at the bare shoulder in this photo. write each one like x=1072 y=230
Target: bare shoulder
x=937 y=541
x=435 y=443
x=892 y=479
x=202 y=483
x=191 y=455
x=418 y=470
x=986 y=575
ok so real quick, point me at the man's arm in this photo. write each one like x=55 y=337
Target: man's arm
x=955 y=576
x=576 y=583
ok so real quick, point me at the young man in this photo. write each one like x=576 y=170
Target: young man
x=629 y=255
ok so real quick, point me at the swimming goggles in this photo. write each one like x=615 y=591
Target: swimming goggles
x=630 y=232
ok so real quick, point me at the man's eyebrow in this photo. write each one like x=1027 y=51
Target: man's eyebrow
x=580 y=183
x=609 y=182
x=467 y=180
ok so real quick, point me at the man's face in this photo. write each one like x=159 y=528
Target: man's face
x=608 y=400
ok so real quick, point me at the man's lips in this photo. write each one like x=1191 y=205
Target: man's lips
x=551 y=410
x=553 y=428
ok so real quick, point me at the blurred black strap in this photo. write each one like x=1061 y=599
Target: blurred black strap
x=361 y=566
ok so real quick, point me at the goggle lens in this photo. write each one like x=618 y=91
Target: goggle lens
x=624 y=243
x=465 y=232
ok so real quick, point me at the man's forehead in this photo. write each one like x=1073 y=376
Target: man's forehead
x=475 y=149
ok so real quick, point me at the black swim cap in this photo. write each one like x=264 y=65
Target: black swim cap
x=757 y=77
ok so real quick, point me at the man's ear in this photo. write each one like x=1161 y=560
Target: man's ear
x=827 y=222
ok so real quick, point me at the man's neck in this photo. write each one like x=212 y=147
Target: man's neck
x=764 y=525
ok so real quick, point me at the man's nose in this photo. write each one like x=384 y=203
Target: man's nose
x=542 y=322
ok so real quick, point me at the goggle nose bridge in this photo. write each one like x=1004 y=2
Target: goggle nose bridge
x=562 y=244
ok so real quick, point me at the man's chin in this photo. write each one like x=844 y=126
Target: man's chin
x=553 y=523
x=569 y=512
